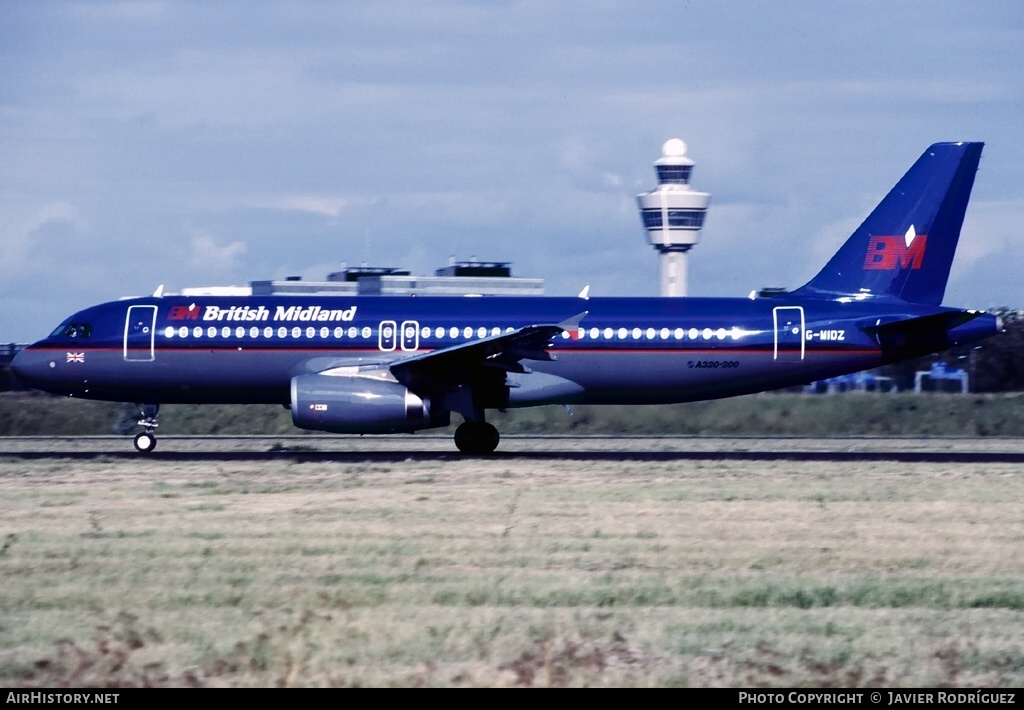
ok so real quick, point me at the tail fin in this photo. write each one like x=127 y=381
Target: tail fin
x=905 y=248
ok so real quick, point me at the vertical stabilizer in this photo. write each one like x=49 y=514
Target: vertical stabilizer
x=904 y=249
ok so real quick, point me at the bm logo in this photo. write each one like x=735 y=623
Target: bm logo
x=888 y=253
x=184 y=312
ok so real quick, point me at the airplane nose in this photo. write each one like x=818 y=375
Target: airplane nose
x=18 y=365
x=30 y=366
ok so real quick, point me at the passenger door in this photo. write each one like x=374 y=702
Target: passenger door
x=140 y=334
x=789 y=333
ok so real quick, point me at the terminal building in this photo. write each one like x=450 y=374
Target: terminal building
x=459 y=278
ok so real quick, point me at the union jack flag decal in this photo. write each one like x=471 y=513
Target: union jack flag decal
x=76 y=357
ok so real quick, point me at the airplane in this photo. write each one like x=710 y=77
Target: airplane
x=379 y=365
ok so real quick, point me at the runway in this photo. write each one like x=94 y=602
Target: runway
x=521 y=448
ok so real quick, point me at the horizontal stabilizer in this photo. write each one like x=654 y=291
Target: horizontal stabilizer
x=931 y=329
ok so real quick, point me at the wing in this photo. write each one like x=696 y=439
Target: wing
x=480 y=361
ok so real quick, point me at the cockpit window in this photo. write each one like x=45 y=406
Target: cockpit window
x=72 y=330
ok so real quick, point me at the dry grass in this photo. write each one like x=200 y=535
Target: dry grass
x=483 y=572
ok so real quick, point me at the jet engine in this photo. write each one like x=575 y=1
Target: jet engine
x=349 y=404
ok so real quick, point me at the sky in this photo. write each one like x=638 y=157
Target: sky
x=215 y=143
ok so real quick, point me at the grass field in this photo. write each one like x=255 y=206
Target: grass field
x=488 y=572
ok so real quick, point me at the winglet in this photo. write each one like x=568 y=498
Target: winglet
x=585 y=293
x=572 y=325
x=574 y=322
x=159 y=293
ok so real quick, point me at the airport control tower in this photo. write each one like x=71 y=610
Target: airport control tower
x=673 y=215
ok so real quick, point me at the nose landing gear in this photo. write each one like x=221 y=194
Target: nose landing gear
x=145 y=442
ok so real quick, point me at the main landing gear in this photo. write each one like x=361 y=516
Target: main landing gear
x=476 y=437
x=146 y=441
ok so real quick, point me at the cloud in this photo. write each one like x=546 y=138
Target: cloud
x=323 y=205
x=20 y=243
x=209 y=257
x=990 y=227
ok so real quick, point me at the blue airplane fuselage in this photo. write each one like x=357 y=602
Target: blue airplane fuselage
x=624 y=351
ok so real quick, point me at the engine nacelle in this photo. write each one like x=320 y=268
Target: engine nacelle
x=350 y=404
